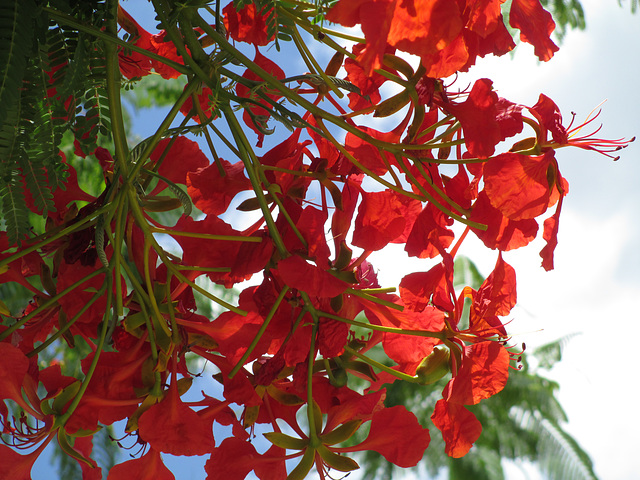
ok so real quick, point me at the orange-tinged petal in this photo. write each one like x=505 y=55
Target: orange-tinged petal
x=170 y=426
x=147 y=467
x=460 y=428
x=536 y=26
x=518 y=185
x=396 y=434
x=497 y=295
x=483 y=373
x=299 y=274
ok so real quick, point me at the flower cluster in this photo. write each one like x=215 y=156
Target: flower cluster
x=284 y=352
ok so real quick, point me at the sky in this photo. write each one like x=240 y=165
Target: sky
x=596 y=280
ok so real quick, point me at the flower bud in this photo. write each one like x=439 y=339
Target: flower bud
x=435 y=366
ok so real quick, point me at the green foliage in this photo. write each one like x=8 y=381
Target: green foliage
x=41 y=101
x=633 y=4
x=153 y=91
x=568 y=15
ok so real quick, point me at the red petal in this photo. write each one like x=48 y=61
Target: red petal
x=13 y=368
x=460 y=428
x=536 y=26
x=14 y=466
x=550 y=235
x=501 y=233
x=232 y=460
x=168 y=50
x=147 y=467
x=518 y=185
x=484 y=16
x=218 y=253
x=246 y=25
x=423 y=27
x=419 y=288
x=299 y=274
x=341 y=219
x=382 y=217
x=429 y=236
x=172 y=427
x=406 y=349
x=332 y=337
x=397 y=435
x=551 y=118
x=183 y=157
x=483 y=373
x=478 y=114
x=211 y=192
x=497 y=295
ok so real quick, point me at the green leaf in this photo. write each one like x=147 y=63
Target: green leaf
x=16 y=38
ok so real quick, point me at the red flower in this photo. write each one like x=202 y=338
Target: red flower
x=147 y=467
x=486 y=119
x=550 y=120
x=135 y=64
x=258 y=114
x=248 y=24
x=420 y=27
x=171 y=426
x=536 y=26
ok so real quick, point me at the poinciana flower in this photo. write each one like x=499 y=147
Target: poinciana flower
x=550 y=122
x=135 y=64
x=326 y=202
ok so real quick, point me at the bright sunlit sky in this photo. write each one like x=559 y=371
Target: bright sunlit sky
x=595 y=286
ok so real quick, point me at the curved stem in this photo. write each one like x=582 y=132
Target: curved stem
x=373 y=363
x=61 y=420
x=259 y=334
x=49 y=303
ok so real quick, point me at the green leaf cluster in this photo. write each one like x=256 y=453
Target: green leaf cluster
x=52 y=81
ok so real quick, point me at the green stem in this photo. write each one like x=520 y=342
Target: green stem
x=208 y=236
x=373 y=363
x=310 y=363
x=380 y=328
x=69 y=324
x=94 y=361
x=113 y=91
x=365 y=296
x=306 y=54
x=314 y=30
x=238 y=134
x=175 y=332
x=260 y=333
x=49 y=303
